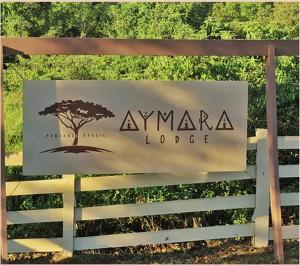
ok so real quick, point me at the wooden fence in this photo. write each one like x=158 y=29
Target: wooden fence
x=258 y=228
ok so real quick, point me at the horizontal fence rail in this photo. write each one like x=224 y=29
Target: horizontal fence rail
x=144 y=209
x=16 y=188
x=96 y=46
x=143 y=238
x=258 y=228
x=162 y=237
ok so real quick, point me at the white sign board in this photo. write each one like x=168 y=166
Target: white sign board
x=134 y=126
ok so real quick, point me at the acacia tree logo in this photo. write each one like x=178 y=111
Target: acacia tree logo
x=74 y=114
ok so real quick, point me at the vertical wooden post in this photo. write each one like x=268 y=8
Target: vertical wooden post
x=273 y=154
x=68 y=214
x=262 y=204
x=3 y=223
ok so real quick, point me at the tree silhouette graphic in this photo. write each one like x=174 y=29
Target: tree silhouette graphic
x=74 y=114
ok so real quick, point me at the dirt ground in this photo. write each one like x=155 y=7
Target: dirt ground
x=215 y=251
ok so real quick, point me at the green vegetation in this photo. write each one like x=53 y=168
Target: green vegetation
x=161 y=21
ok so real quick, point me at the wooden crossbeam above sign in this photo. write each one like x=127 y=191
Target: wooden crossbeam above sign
x=96 y=46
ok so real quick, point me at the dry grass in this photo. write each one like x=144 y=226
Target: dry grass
x=215 y=251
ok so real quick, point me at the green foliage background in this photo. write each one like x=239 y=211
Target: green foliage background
x=147 y=21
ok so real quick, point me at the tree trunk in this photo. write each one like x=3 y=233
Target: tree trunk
x=76 y=137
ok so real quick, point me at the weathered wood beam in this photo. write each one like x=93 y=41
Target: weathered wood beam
x=95 y=46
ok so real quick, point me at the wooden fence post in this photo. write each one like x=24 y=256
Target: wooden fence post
x=68 y=214
x=261 y=210
x=273 y=153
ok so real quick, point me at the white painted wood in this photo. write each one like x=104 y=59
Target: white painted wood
x=34 y=245
x=289 y=171
x=288 y=142
x=261 y=210
x=288 y=231
x=35 y=216
x=251 y=143
x=15 y=188
x=289 y=199
x=151 y=180
x=68 y=214
x=178 y=206
x=118 y=240
x=165 y=236
x=143 y=209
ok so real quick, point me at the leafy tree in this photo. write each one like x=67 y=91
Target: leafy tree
x=31 y=19
x=75 y=114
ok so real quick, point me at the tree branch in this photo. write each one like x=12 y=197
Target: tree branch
x=60 y=118
x=81 y=122
x=70 y=118
x=66 y=116
x=86 y=121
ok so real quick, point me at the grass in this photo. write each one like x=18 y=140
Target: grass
x=214 y=251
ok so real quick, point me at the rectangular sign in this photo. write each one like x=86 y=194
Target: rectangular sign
x=134 y=126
